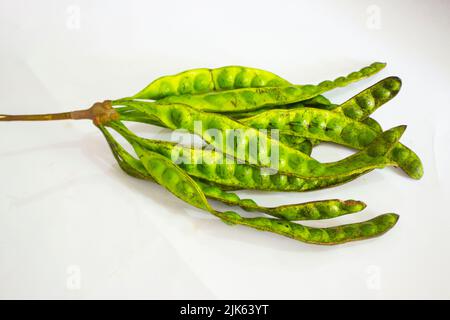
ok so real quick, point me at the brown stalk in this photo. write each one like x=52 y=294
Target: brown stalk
x=99 y=113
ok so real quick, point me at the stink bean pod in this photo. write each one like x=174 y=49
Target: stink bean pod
x=366 y=102
x=211 y=166
x=328 y=126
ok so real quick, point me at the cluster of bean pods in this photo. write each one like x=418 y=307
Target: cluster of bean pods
x=240 y=99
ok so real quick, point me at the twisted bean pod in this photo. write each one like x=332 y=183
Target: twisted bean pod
x=291 y=161
x=315 y=124
x=329 y=126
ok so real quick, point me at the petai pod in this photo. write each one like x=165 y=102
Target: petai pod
x=329 y=126
x=198 y=81
x=314 y=210
x=360 y=106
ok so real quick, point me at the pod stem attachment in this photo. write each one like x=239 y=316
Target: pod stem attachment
x=99 y=113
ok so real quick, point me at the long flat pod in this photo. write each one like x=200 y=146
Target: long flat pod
x=314 y=210
x=181 y=185
x=210 y=165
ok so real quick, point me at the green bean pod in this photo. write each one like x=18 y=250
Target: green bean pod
x=315 y=210
x=298 y=143
x=212 y=166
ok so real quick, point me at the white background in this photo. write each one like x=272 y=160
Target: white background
x=72 y=225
